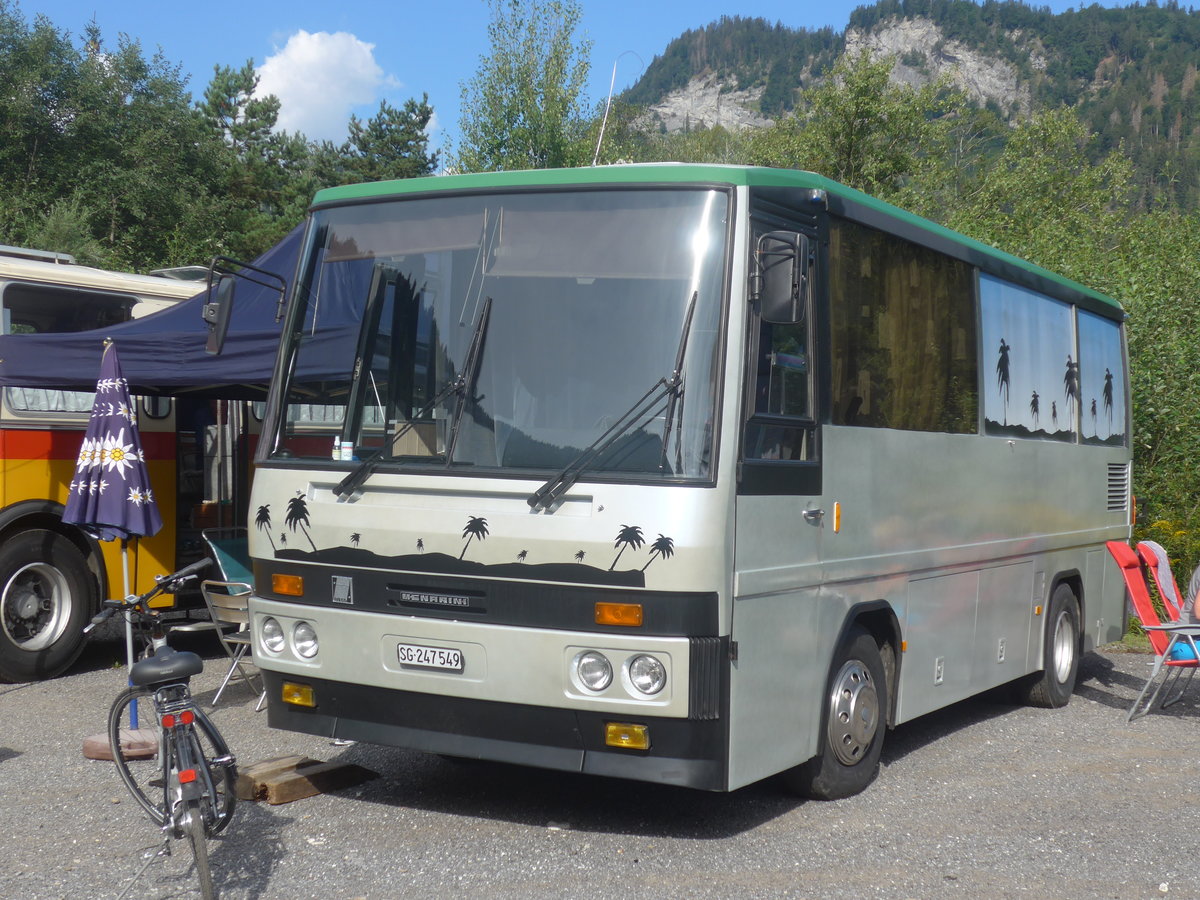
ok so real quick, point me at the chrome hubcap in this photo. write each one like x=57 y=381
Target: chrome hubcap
x=853 y=712
x=36 y=605
x=1063 y=647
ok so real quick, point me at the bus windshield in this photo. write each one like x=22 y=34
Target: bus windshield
x=510 y=333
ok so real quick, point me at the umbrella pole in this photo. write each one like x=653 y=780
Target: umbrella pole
x=133 y=710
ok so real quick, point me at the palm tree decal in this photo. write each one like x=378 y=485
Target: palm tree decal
x=297 y=514
x=1108 y=397
x=283 y=538
x=579 y=556
x=1002 y=376
x=355 y=538
x=663 y=546
x=1071 y=386
x=522 y=555
x=420 y=545
x=628 y=536
x=1035 y=408
x=262 y=521
x=477 y=527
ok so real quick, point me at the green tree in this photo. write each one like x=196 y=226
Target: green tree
x=1044 y=200
x=393 y=143
x=860 y=129
x=524 y=107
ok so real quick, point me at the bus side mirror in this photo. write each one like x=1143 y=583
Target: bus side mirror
x=217 y=310
x=781 y=277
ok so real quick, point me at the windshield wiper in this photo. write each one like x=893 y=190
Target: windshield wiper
x=460 y=385
x=669 y=386
x=466 y=381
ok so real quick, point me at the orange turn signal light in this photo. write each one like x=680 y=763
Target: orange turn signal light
x=627 y=614
x=291 y=585
x=298 y=694
x=627 y=736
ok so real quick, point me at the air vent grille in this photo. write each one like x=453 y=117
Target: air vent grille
x=1118 y=487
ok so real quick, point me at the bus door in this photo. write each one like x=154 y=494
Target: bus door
x=780 y=516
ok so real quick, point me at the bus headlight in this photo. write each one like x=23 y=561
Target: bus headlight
x=593 y=670
x=647 y=674
x=272 y=635
x=304 y=639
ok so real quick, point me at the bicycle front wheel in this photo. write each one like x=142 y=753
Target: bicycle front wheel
x=142 y=775
x=193 y=829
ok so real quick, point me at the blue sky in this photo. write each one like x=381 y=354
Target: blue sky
x=327 y=59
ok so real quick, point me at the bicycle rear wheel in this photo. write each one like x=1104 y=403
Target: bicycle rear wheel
x=142 y=776
x=193 y=829
x=146 y=778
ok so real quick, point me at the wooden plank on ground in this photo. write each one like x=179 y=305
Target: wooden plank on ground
x=307 y=781
x=287 y=778
x=251 y=777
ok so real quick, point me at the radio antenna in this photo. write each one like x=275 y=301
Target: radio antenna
x=608 y=103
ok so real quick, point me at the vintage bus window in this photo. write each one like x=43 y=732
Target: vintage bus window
x=586 y=296
x=156 y=407
x=1032 y=382
x=39 y=308
x=783 y=390
x=903 y=334
x=1101 y=380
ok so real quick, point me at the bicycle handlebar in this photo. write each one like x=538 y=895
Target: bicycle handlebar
x=163 y=584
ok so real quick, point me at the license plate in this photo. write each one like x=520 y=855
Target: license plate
x=443 y=658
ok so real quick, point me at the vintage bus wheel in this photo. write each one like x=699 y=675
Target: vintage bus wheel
x=45 y=601
x=853 y=724
x=1053 y=686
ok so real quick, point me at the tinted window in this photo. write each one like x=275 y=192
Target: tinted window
x=903 y=334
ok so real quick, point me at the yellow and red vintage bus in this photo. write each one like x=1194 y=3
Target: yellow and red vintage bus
x=52 y=575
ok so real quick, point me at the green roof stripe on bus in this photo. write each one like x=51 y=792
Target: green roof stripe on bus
x=680 y=173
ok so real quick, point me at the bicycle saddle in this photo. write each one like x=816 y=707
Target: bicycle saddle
x=166 y=665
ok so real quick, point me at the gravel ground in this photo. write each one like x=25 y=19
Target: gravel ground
x=983 y=800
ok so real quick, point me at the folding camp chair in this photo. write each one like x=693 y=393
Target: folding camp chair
x=228 y=599
x=1174 y=643
x=1154 y=558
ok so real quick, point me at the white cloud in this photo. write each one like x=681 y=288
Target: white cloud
x=319 y=79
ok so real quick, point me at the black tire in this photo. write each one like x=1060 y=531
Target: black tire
x=145 y=778
x=1053 y=686
x=193 y=830
x=852 y=724
x=47 y=596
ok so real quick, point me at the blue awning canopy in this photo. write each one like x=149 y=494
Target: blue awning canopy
x=163 y=353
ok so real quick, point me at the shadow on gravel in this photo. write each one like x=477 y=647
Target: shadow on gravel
x=243 y=859
x=1103 y=681
x=549 y=799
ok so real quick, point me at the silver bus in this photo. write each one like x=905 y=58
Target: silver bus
x=678 y=473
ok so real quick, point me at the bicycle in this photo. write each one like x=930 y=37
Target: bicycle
x=190 y=794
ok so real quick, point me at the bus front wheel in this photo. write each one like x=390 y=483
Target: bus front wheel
x=853 y=723
x=45 y=601
x=1053 y=686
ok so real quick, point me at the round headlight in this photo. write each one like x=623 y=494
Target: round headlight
x=272 y=635
x=647 y=674
x=304 y=638
x=594 y=670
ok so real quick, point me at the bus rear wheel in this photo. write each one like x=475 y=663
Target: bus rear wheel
x=45 y=601
x=1053 y=686
x=853 y=724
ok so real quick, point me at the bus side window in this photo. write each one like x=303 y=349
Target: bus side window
x=781 y=421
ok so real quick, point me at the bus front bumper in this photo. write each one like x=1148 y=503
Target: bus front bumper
x=683 y=752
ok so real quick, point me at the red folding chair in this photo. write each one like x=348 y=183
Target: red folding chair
x=1174 y=643
x=1154 y=558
